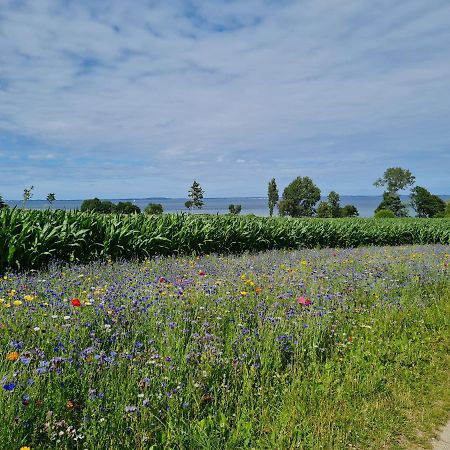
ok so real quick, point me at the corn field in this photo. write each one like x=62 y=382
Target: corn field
x=32 y=239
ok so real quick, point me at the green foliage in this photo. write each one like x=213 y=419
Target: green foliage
x=384 y=214
x=349 y=211
x=324 y=210
x=3 y=204
x=51 y=198
x=195 y=195
x=235 y=209
x=447 y=209
x=97 y=205
x=273 y=197
x=27 y=195
x=154 y=208
x=392 y=202
x=426 y=204
x=334 y=202
x=395 y=179
x=127 y=208
x=31 y=239
x=299 y=198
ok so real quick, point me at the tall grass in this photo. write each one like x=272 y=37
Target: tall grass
x=30 y=239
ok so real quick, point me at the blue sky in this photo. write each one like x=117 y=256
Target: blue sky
x=137 y=99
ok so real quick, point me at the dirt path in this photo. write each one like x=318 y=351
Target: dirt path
x=442 y=442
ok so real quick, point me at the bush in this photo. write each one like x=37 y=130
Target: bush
x=97 y=205
x=234 y=209
x=127 y=208
x=154 y=208
x=384 y=214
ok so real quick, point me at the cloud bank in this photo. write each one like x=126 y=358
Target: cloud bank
x=120 y=99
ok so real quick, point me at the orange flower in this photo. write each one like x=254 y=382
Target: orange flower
x=70 y=404
x=12 y=356
x=258 y=290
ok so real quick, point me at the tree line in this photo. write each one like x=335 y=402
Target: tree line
x=301 y=198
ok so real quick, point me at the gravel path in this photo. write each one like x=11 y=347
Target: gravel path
x=443 y=441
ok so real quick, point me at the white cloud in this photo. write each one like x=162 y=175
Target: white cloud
x=171 y=84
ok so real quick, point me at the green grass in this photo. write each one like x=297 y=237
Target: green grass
x=217 y=352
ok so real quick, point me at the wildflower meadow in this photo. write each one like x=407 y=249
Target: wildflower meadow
x=312 y=349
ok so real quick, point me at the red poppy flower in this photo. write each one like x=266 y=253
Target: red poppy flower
x=75 y=302
x=201 y=273
x=304 y=301
x=162 y=280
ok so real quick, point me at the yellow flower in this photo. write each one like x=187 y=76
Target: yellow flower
x=12 y=356
x=12 y=293
x=7 y=305
x=2 y=300
x=29 y=298
x=17 y=302
x=70 y=404
x=243 y=293
x=25 y=448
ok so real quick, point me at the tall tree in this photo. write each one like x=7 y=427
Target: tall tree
x=195 y=195
x=425 y=203
x=392 y=202
x=333 y=201
x=395 y=179
x=299 y=198
x=27 y=194
x=273 y=196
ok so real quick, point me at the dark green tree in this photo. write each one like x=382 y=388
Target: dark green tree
x=395 y=179
x=425 y=203
x=234 y=209
x=299 y=198
x=273 y=196
x=392 y=202
x=3 y=204
x=349 y=211
x=97 y=205
x=324 y=210
x=154 y=208
x=51 y=198
x=334 y=202
x=195 y=195
x=127 y=208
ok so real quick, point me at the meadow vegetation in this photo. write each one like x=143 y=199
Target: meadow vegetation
x=301 y=349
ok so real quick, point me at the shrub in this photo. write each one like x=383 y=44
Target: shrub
x=127 y=208
x=154 y=208
x=234 y=209
x=384 y=214
x=97 y=205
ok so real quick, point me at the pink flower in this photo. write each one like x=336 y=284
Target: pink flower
x=304 y=301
